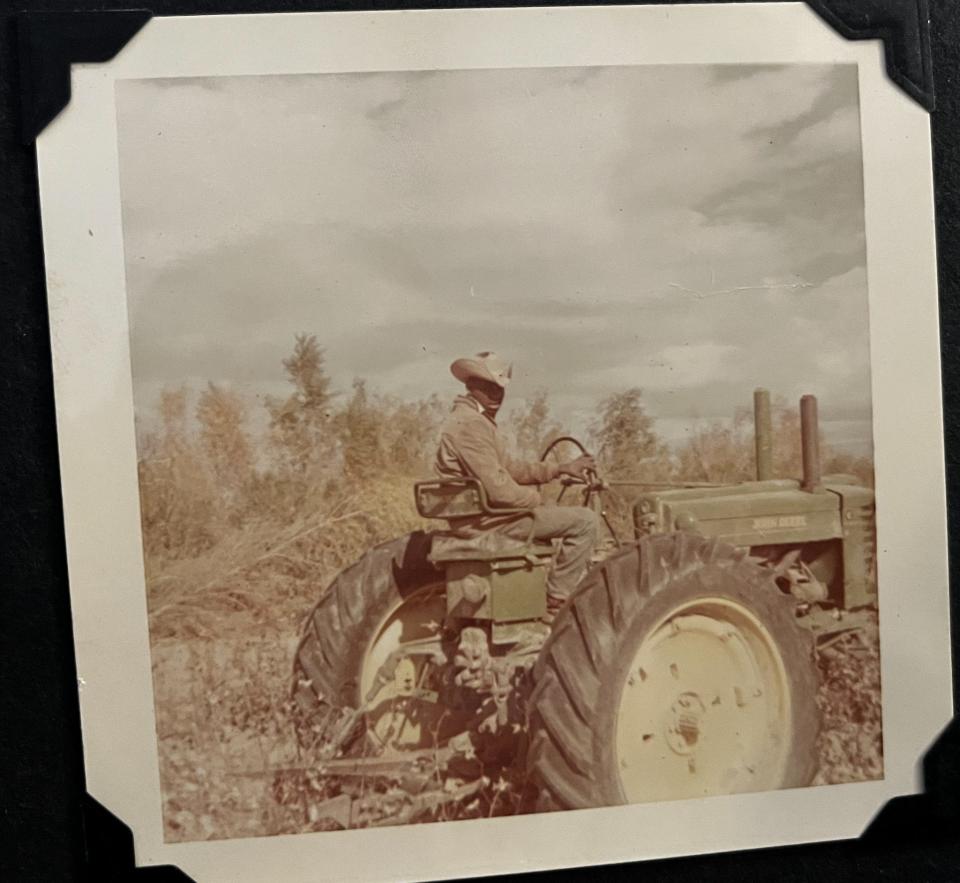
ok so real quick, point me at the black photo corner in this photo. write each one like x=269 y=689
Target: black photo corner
x=50 y=828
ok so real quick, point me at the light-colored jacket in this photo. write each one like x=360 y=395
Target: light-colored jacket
x=471 y=447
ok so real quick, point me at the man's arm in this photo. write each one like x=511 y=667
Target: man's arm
x=531 y=473
x=541 y=473
x=477 y=451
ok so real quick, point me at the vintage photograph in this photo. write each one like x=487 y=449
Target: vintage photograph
x=504 y=439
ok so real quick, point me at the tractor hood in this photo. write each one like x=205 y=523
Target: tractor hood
x=748 y=514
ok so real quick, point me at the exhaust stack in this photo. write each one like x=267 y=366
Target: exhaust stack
x=763 y=434
x=810 y=443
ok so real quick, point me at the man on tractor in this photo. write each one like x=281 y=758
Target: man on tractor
x=470 y=447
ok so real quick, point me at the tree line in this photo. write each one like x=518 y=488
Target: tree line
x=204 y=472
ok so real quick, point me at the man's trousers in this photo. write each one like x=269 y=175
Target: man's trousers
x=576 y=527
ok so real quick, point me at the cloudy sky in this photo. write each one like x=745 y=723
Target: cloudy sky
x=695 y=231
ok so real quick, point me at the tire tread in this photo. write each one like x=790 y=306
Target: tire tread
x=563 y=705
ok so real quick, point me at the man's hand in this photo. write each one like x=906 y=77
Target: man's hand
x=580 y=467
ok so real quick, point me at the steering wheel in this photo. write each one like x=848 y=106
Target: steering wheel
x=592 y=485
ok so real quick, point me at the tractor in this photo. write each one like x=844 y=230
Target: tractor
x=682 y=666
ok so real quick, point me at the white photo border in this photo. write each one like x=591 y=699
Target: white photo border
x=80 y=197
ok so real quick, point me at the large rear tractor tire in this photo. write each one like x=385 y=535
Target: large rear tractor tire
x=392 y=595
x=677 y=670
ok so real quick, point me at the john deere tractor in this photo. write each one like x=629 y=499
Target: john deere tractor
x=681 y=667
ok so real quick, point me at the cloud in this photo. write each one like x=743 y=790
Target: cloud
x=671 y=369
x=385 y=109
x=605 y=227
x=733 y=73
x=839 y=93
x=209 y=84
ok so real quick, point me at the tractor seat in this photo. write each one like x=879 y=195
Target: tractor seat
x=457 y=499
x=487 y=546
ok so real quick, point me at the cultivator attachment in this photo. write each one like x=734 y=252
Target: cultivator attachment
x=407 y=785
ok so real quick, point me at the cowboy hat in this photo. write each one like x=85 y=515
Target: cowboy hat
x=485 y=366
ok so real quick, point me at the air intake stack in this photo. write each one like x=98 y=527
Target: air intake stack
x=763 y=434
x=810 y=443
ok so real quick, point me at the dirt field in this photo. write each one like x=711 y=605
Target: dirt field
x=851 y=741
x=223 y=726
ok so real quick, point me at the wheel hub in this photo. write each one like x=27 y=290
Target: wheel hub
x=403 y=711
x=705 y=708
x=682 y=729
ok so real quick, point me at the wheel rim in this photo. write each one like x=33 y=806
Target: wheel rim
x=403 y=714
x=704 y=708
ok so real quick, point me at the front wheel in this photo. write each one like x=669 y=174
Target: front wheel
x=678 y=670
